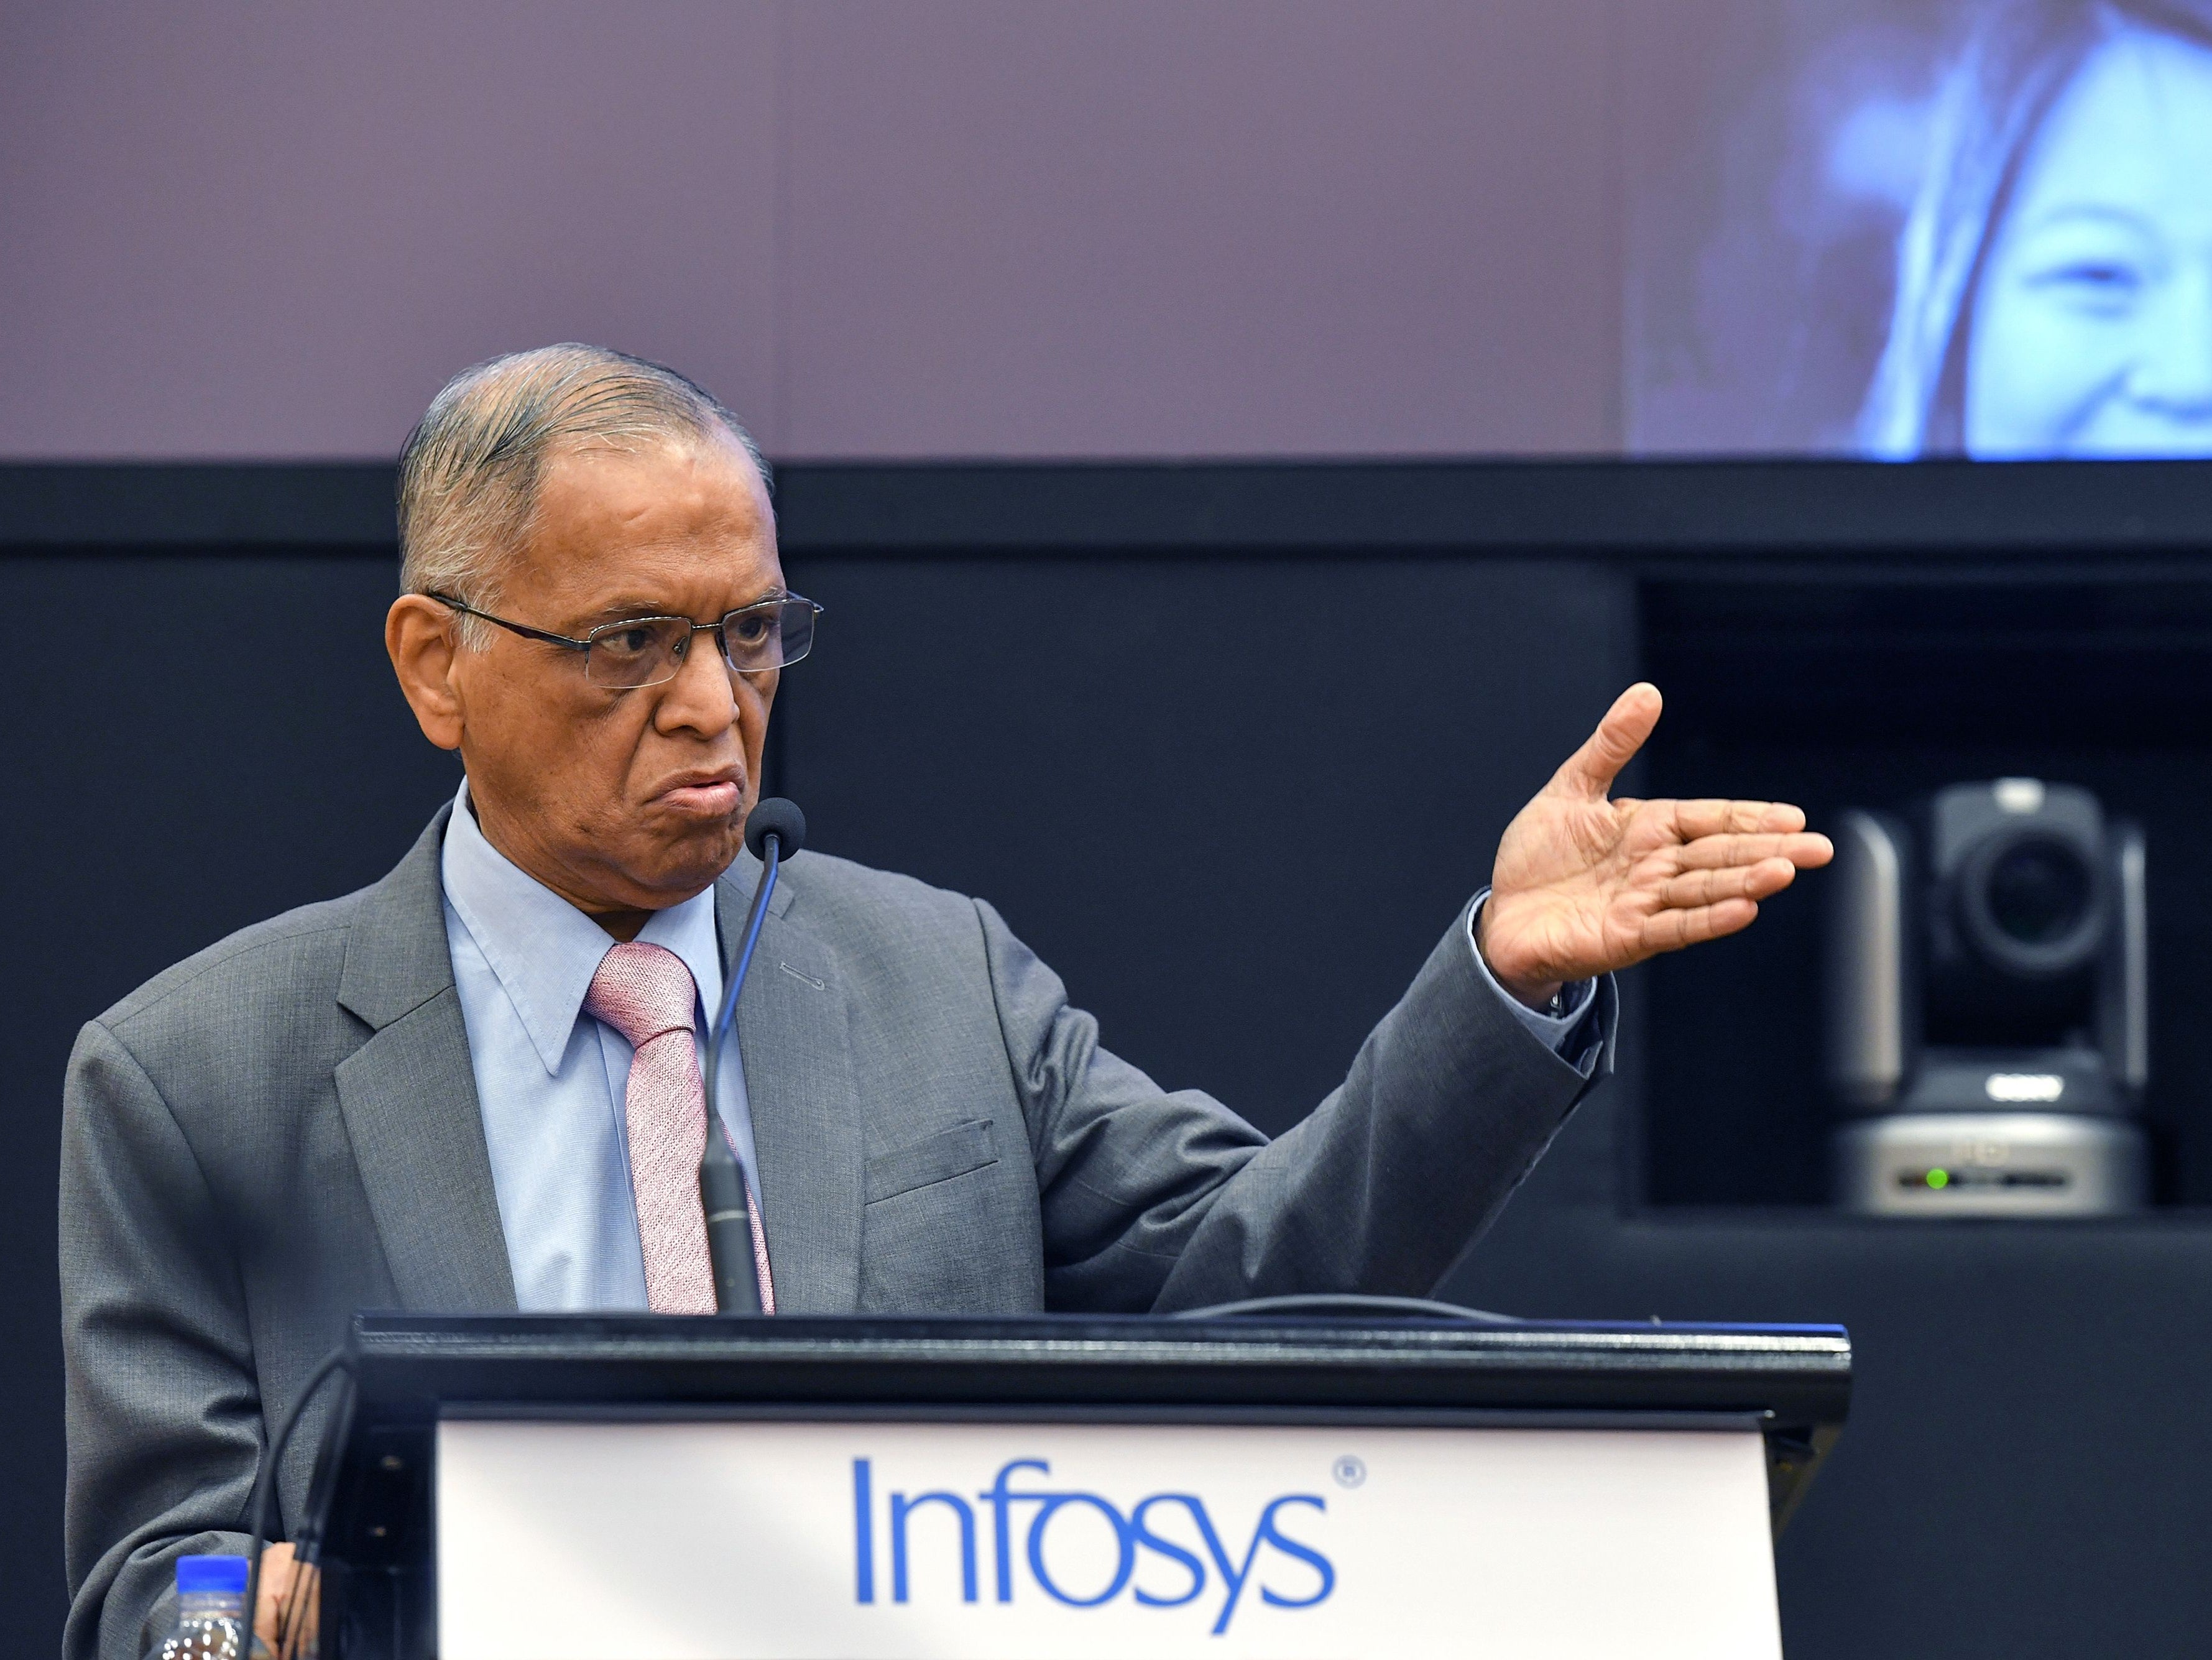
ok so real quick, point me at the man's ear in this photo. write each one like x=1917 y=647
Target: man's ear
x=419 y=637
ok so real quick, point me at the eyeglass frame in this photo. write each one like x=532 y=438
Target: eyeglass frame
x=585 y=645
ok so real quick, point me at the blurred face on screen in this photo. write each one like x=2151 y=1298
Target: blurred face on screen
x=2092 y=326
x=624 y=801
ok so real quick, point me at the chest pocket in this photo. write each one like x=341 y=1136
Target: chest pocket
x=938 y=1158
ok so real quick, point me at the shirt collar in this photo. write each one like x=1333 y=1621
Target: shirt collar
x=544 y=949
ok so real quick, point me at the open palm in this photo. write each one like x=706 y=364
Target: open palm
x=1584 y=884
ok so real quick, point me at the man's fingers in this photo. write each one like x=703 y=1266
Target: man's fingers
x=1694 y=819
x=1671 y=930
x=276 y=1582
x=1592 y=769
x=1806 y=849
x=1762 y=880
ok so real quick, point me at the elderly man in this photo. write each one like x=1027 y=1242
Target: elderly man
x=476 y=1086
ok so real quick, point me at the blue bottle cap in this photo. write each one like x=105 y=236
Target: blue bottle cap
x=200 y=1576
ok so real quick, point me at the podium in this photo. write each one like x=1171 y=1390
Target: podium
x=635 y=1488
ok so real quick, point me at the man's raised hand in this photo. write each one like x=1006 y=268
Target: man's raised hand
x=1584 y=884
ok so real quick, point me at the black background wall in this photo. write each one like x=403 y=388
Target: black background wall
x=1229 y=747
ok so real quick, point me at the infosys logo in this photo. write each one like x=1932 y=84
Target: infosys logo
x=1148 y=1562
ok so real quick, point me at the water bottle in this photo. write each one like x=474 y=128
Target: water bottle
x=211 y=1612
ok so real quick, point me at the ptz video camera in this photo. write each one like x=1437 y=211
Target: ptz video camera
x=1989 y=1006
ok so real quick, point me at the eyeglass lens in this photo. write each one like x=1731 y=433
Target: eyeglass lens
x=650 y=650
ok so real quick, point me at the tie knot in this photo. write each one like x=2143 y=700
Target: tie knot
x=643 y=991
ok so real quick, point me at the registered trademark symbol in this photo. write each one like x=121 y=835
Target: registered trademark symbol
x=1348 y=1471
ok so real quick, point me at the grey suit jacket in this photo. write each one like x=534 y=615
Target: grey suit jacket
x=284 y=1129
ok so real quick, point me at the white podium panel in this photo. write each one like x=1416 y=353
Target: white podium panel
x=957 y=1540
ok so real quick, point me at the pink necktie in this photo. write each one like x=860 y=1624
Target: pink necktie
x=646 y=994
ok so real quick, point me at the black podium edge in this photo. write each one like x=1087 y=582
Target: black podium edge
x=409 y=1371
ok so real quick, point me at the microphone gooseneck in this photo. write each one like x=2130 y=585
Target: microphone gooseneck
x=774 y=829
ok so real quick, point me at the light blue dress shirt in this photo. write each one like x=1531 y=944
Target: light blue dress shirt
x=551 y=1080
x=1575 y=1001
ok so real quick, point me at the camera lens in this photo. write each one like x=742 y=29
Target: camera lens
x=2038 y=891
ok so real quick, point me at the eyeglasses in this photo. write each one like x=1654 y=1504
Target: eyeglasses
x=644 y=651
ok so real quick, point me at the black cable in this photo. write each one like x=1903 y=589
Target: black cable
x=307 y=1538
x=263 y=1496
x=1342 y=1302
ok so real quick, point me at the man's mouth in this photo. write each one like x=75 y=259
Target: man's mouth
x=705 y=796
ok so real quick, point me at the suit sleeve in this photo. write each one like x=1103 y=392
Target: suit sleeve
x=164 y=1417
x=1158 y=1201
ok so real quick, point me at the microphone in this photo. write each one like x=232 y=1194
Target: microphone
x=774 y=829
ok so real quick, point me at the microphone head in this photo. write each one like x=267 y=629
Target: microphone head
x=776 y=816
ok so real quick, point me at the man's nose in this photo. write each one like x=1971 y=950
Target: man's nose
x=700 y=697
x=2174 y=372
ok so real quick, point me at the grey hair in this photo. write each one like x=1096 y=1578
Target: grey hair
x=470 y=472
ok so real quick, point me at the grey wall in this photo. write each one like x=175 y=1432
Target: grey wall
x=958 y=228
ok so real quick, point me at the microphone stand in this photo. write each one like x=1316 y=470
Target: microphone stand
x=722 y=1179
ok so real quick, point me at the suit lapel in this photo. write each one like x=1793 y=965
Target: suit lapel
x=409 y=1098
x=794 y=1038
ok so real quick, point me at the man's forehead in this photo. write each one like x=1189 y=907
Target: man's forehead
x=620 y=532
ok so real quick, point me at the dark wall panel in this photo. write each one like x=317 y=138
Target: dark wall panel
x=1233 y=802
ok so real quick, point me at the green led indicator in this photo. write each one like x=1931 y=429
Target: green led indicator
x=1939 y=1178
